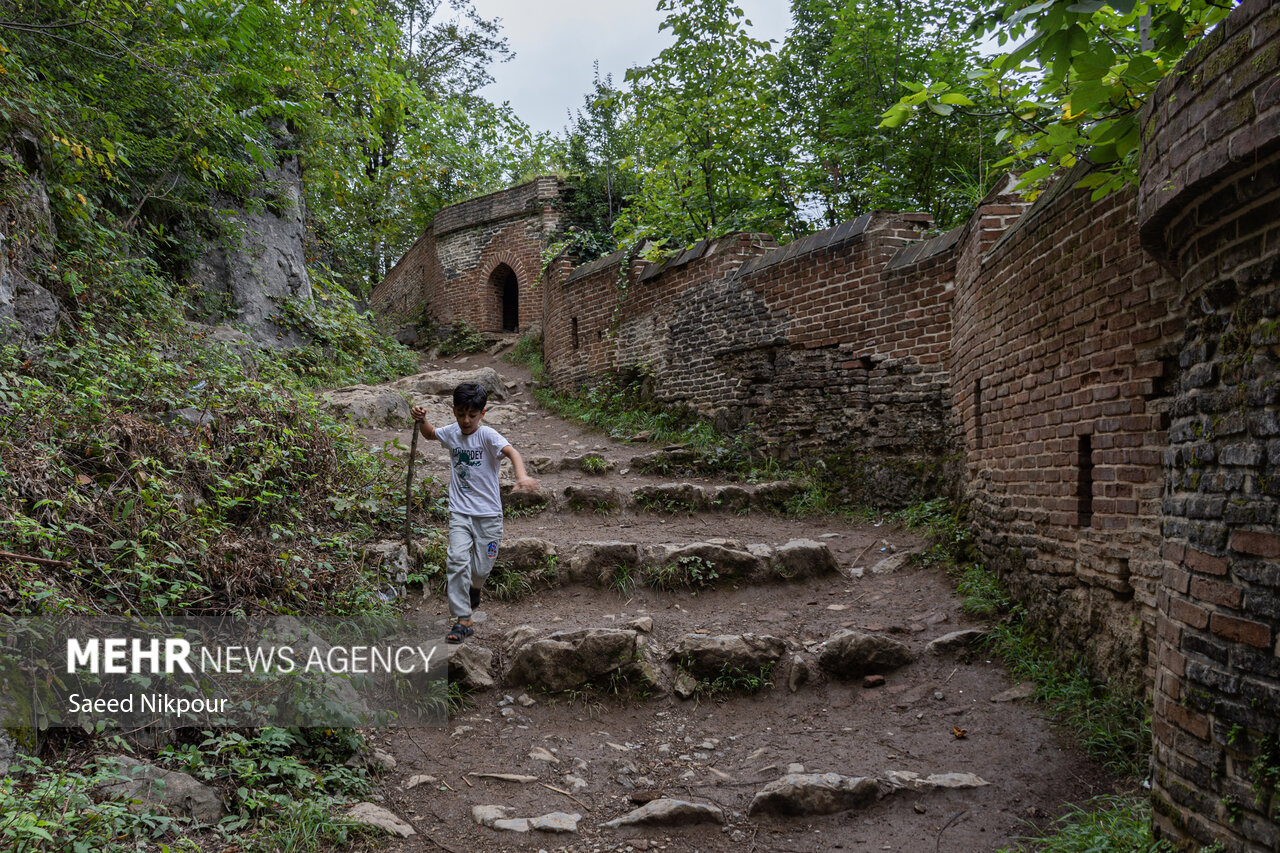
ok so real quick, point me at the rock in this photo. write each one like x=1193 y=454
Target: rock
x=850 y=654
x=526 y=700
x=415 y=781
x=799 y=673
x=518 y=636
x=440 y=383
x=707 y=657
x=595 y=562
x=667 y=812
x=1021 y=690
x=597 y=499
x=539 y=753
x=893 y=563
x=727 y=557
x=576 y=783
x=569 y=659
x=259 y=260
x=528 y=554
x=774 y=496
x=685 y=685
x=643 y=624
x=670 y=497
x=377 y=816
x=540 y=464
x=371 y=406
x=954 y=641
x=376 y=760
x=803 y=558
x=517 y=824
x=873 y=681
x=177 y=793
x=471 y=665
x=902 y=779
x=798 y=794
x=555 y=822
x=731 y=498
x=582 y=463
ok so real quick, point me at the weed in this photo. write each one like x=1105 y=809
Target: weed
x=1113 y=822
x=528 y=352
x=735 y=680
x=508 y=583
x=594 y=464
x=462 y=339
x=623 y=578
x=687 y=572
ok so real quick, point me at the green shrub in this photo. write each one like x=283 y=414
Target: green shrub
x=462 y=339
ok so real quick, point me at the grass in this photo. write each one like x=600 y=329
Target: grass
x=736 y=680
x=507 y=583
x=1117 y=823
x=688 y=572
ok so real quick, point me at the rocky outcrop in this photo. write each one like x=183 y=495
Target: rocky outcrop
x=258 y=262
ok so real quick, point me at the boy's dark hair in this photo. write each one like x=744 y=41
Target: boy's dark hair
x=470 y=396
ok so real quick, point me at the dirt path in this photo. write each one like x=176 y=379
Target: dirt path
x=610 y=752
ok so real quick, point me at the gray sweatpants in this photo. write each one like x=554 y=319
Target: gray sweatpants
x=473 y=549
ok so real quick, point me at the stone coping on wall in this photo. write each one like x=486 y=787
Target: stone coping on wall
x=920 y=252
x=593 y=267
x=830 y=238
x=494 y=207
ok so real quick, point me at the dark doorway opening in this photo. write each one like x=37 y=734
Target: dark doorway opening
x=505 y=283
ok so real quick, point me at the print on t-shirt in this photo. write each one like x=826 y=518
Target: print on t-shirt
x=464 y=459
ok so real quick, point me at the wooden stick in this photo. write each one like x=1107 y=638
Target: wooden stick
x=566 y=793
x=408 y=486
x=38 y=560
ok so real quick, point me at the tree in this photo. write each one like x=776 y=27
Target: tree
x=596 y=150
x=844 y=63
x=1072 y=86
x=709 y=159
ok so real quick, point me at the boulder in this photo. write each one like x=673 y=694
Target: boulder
x=372 y=406
x=594 y=562
x=569 y=659
x=803 y=558
x=440 y=383
x=727 y=557
x=471 y=666
x=731 y=498
x=774 y=496
x=799 y=794
x=176 y=793
x=707 y=657
x=852 y=654
x=670 y=497
x=528 y=554
x=592 y=499
x=668 y=812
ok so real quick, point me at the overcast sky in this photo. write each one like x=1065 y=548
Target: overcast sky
x=556 y=42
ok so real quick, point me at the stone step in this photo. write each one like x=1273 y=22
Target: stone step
x=660 y=497
x=672 y=566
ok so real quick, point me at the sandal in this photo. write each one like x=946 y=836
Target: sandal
x=458 y=633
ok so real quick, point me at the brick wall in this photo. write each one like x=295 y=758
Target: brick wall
x=835 y=344
x=1063 y=332
x=457 y=270
x=1210 y=209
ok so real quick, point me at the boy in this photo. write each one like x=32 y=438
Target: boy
x=475 y=505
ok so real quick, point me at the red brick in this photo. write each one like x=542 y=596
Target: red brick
x=1202 y=562
x=1255 y=543
x=1188 y=614
x=1216 y=592
x=1241 y=630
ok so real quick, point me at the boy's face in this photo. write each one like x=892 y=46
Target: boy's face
x=468 y=419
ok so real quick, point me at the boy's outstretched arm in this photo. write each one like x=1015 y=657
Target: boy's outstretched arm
x=524 y=483
x=424 y=426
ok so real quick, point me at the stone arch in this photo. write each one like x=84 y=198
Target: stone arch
x=505 y=279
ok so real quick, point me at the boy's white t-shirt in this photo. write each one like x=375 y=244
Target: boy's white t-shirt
x=474 y=461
